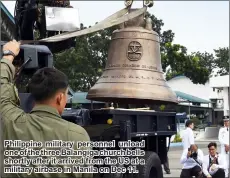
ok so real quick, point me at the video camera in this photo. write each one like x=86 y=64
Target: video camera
x=193 y=154
x=35 y=57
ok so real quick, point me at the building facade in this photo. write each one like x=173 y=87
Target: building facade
x=195 y=98
x=185 y=85
x=7 y=24
x=215 y=90
x=219 y=95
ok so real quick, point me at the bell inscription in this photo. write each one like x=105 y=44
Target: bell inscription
x=133 y=66
x=135 y=51
x=107 y=78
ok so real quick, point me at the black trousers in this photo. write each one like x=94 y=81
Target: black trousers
x=166 y=164
x=188 y=173
x=166 y=159
x=219 y=174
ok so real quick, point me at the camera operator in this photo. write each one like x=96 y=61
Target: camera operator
x=192 y=162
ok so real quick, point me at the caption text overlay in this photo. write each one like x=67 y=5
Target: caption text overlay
x=59 y=156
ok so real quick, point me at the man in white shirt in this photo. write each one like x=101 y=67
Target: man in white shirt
x=224 y=140
x=214 y=164
x=192 y=160
x=188 y=136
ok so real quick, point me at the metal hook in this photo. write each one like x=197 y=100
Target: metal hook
x=128 y=3
x=148 y=3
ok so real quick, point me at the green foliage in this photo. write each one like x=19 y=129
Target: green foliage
x=177 y=139
x=222 y=60
x=196 y=66
x=196 y=121
x=162 y=107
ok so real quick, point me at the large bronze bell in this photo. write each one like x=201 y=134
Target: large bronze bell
x=133 y=72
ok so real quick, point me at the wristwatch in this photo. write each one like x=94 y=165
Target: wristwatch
x=8 y=53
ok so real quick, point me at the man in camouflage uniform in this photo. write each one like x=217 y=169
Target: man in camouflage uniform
x=48 y=87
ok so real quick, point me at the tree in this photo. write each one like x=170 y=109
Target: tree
x=84 y=64
x=222 y=60
x=197 y=66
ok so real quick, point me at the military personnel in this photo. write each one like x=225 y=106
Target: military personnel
x=48 y=87
x=224 y=139
x=188 y=135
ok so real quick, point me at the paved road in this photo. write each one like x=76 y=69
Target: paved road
x=174 y=159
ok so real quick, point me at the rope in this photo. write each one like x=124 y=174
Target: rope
x=115 y=19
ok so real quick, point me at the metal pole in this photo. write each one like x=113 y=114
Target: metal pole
x=229 y=82
x=228 y=98
x=228 y=92
x=189 y=110
x=91 y=103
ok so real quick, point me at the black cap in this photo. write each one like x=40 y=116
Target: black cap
x=226 y=118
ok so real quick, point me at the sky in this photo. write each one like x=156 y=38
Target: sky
x=198 y=25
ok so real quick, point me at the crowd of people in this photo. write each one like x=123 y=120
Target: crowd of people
x=213 y=165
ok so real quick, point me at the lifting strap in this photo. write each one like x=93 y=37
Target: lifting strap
x=115 y=19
